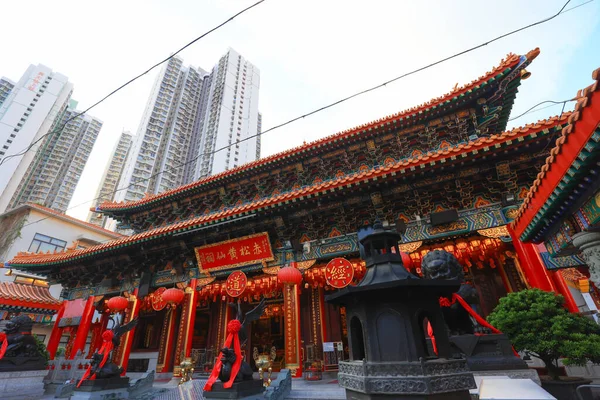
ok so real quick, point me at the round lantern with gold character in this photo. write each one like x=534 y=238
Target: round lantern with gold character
x=236 y=283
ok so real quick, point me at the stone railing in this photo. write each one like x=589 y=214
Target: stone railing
x=61 y=370
x=281 y=387
x=204 y=360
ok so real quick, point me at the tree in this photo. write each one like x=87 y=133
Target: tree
x=537 y=322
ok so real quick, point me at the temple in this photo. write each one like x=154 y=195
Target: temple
x=446 y=174
x=561 y=211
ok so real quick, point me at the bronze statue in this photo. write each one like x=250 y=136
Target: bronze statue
x=230 y=367
x=441 y=265
x=252 y=315
x=18 y=348
x=228 y=358
x=111 y=339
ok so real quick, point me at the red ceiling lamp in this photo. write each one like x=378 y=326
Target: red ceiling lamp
x=173 y=296
x=117 y=303
x=289 y=275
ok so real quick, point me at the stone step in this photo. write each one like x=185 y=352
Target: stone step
x=337 y=393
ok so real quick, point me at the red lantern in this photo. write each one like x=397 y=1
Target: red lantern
x=173 y=296
x=289 y=275
x=406 y=261
x=118 y=303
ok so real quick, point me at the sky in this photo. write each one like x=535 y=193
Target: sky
x=309 y=53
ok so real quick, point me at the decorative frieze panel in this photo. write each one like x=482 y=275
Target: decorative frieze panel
x=553 y=263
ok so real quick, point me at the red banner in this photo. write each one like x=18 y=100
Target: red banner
x=292 y=358
x=252 y=249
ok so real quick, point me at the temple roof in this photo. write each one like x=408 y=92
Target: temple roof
x=446 y=156
x=410 y=115
x=566 y=173
x=17 y=295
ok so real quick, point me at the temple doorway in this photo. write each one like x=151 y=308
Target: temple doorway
x=202 y=355
x=266 y=337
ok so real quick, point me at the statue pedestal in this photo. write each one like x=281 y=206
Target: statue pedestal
x=238 y=390
x=22 y=385
x=97 y=389
x=113 y=394
x=492 y=355
x=487 y=352
x=431 y=379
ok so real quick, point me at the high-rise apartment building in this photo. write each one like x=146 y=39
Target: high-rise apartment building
x=6 y=86
x=230 y=117
x=258 y=135
x=110 y=178
x=51 y=178
x=190 y=115
x=163 y=138
x=29 y=110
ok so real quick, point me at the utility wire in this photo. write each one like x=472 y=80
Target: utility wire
x=564 y=102
x=131 y=81
x=561 y=11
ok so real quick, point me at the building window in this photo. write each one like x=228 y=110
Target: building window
x=46 y=243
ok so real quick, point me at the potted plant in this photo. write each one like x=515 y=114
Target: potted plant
x=536 y=322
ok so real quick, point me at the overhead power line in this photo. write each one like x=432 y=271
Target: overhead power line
x=560 y=12
x=130 y=82
x=554 y=103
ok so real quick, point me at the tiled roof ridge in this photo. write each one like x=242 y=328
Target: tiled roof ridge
x=25 y=258
x=27 y=293
x=508 y=62
x=79 y=221
x=582 y=97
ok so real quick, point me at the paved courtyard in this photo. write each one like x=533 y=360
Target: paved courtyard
x=327 y=388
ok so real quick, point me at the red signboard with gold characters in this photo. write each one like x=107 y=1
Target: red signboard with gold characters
x=339 y=273
x=236 y=283
x=247 y=250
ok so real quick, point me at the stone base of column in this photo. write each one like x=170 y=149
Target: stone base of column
x=589 y=245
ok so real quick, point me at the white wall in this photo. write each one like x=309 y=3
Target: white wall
x=39 y=222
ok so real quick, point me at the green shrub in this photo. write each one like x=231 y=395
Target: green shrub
x=42 y=348
x=537 y=322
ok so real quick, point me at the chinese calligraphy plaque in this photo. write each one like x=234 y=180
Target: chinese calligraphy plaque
x=247 y=250
x=236 y=283
x=339 y=273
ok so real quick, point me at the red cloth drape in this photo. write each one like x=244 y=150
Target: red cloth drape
x=233 y=327
x=105 y=350
x=4 y=345
x=432 y=337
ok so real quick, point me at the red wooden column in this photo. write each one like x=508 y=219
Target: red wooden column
x=563 y=289
x=56 y=334
x=531 y=264
x=186 y=326
x=193 y=303
x=127 y=340
x=167 y=342
x=543 y=275
x=97 y=337
x=84 y=328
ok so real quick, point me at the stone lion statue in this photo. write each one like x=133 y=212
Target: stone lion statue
x=22 y=353
x=439 y=264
